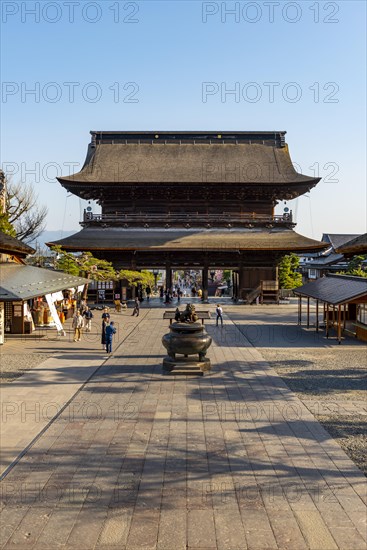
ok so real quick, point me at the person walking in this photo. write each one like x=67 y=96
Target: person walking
x=105 y=321
x=148 y=292
x=88 y=316
x=166 y=297
x=77 y=324
x=110 y=331
x=136 y=307
x=219 y=312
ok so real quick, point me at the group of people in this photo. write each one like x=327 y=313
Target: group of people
x=82 y=319
x=169 y=294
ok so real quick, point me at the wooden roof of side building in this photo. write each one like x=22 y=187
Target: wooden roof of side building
x=358 y=245
x=11 y=245
x=23 y=282
x=249 y=158
x=337 y=240
x=335 y=289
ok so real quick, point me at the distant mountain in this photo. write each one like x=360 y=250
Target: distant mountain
x=48 y=236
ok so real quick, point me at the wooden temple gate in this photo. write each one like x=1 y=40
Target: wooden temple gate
x=190 y=200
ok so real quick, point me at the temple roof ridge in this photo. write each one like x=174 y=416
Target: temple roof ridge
x=149 y=158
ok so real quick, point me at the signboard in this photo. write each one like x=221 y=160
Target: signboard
x=17 y=310
x=101 y=295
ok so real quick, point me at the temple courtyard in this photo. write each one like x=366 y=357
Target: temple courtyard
x=264 y=452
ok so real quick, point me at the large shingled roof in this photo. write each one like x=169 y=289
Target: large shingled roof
x=335 y=289
x=181 y=157
x=116 y=238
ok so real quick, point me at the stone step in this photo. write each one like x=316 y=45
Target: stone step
x=184 y=372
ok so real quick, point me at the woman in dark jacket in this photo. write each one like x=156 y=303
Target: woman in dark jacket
x=105 y=321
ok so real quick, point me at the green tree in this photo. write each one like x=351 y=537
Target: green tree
x=135 y=278
x=355 y=266
x=358 y=272
x=5 y=225
x=65 y=261
x=84 y=265
x=288 y=276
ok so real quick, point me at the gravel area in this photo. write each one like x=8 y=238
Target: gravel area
x=332 y=384
x=330 y=379
x=13 y=365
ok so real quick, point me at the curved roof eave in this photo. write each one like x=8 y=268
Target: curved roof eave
x=119 y=239
x=135 y=161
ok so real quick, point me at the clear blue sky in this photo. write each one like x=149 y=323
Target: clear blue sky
x=166 y=50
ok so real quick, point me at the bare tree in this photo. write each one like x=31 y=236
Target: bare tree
x=23 y=211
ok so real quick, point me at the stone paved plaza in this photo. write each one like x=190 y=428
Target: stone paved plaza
x=137 y=459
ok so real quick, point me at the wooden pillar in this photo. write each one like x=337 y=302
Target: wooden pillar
x=327 y=321
x=261 y=293
x=308 y=312
x=299 y=310
x=168 y=276
x=241 y=280
x=235 y=285
x=317 y=316
x=133 y=268
x=339 y=325
x=205 y=275
x=345 y=316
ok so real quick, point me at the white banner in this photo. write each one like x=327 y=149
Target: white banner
x=54 y=314
x=28 y=315
x=57 y=296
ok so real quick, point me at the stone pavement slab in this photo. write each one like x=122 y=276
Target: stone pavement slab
x=231 y=460
x=31 y=402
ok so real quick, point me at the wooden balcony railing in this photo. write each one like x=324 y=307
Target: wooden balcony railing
x=190 y=219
